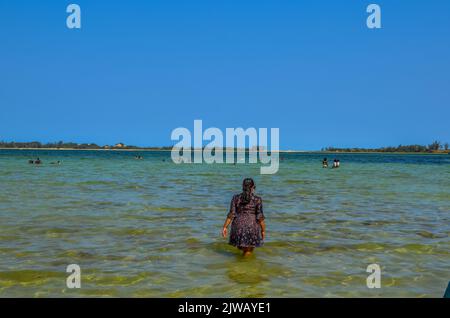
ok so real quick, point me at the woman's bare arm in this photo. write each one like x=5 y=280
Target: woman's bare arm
x=225 y=227
x=263 y=228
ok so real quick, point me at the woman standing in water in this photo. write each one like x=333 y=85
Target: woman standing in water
x=247 y=219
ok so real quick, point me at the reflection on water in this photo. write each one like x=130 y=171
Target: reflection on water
x=149 y=228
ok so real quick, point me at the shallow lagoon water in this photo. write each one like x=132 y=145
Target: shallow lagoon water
x=151 y=228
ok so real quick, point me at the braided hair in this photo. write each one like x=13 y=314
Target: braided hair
x=248 y=185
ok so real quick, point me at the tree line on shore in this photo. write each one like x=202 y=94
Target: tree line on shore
x=69 y=145
x=435 y=146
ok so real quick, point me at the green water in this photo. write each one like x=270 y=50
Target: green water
x=150 y=228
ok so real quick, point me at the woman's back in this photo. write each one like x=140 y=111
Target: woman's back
x=241 y=207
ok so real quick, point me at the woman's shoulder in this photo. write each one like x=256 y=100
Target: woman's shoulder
x=257 y=198
x=236 y=197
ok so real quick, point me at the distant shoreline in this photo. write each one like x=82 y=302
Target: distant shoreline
x=280 y=151
x=87 y=149
x=388 y=152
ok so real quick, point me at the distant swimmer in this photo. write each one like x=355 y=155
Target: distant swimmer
x=37 y=161
x=246 y=218
x=138 y=157
x=325 y=163
x=336 y=163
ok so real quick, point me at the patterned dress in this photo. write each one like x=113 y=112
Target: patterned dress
x=245 y=228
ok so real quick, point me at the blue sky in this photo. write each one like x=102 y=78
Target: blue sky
x=138 y=69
